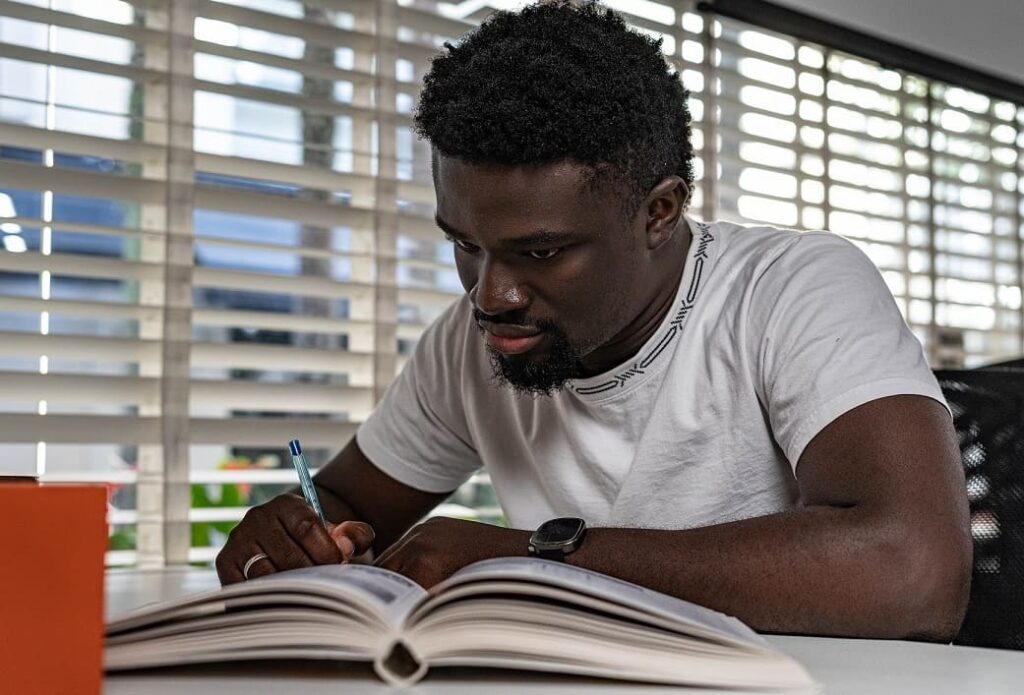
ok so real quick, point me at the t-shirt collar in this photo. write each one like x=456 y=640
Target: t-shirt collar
x=657 y=351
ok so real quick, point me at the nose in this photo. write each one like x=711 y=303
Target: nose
x=497 y=290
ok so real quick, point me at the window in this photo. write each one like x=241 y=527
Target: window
x=213 y=245
x=923 y=176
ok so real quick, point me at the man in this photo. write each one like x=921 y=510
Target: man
x=740 y=415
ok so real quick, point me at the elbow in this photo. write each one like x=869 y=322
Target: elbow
x=933 y=585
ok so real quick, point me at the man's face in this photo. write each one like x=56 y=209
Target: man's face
x=551 y=268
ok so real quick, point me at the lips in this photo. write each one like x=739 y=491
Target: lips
x=513 y=346
x=509 y=339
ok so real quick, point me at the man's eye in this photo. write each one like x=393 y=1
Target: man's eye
x=545 y=254
x=464 y=245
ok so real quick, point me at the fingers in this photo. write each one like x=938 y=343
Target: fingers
x=228 y=572
x=309 y=535
x=352 y=538
x=291 y=535
x=391 y=558
x=282 y=548
x=258 y=568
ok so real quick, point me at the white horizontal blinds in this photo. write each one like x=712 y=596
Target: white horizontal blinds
x=922 y=176
x=294 y=214
x=813 y=139
x=425 y=267
x=874 y=119
x=82 y=188
x=976 y=200
x=284 y=224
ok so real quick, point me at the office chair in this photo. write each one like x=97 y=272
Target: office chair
x=988 y=412
x=1015 y=364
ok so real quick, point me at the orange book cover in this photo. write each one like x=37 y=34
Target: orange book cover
x=52 y=541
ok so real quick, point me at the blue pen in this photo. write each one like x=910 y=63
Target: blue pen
x=308 y=490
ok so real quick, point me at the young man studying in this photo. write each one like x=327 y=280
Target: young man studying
x=737 y=416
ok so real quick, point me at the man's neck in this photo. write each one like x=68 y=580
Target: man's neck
x=627 y=343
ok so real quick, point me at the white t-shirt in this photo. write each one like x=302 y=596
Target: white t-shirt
x=773 y=334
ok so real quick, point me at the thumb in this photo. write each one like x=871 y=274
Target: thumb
x=353 y=537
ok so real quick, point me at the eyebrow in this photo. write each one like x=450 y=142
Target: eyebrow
x=538 y=238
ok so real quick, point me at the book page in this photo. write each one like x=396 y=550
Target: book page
x=541 y=623
x=502 y=630
x=381 y=595
x=390 y=594
x=562 y=575
x=345 y=612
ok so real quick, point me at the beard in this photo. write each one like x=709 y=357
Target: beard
x=533 y=376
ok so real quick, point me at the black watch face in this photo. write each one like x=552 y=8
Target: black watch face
x=559 y=530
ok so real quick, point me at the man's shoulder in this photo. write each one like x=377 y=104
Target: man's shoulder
x=757 y=239
x=763 y=248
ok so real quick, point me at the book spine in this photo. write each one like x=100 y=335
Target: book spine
x=399 y=666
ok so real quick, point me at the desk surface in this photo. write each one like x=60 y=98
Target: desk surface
x=842 y=666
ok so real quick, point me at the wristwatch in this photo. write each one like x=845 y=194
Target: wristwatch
x=556 y=538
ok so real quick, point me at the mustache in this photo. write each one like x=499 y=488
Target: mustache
x=515 y=318
x=543 y=325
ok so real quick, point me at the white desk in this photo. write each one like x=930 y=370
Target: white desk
x=843 y=666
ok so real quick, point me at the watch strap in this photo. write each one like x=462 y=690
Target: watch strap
x=551 y=553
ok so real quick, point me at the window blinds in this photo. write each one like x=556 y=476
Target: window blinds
x=924 y=176
x=217 y=225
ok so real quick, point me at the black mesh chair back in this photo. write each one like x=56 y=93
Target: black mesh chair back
x=988 y=412
x=1017 y=364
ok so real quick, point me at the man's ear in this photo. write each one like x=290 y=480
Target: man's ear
x=664 y=205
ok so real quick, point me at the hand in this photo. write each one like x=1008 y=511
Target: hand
x=289 y=532
x=439 y=547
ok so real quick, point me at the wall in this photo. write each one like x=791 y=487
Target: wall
x=984 y=34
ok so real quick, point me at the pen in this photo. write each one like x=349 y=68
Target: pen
x=308 y=490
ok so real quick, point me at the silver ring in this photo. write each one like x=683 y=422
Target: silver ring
x=252 y=561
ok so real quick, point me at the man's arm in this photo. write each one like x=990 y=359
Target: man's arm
x=363 y=506
x=879 y=547
x=351 y=487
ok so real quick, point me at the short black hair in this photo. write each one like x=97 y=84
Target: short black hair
x=555 y=82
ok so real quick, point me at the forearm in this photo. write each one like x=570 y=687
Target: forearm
x=817 y=570
x=352 y=488
x=335 y=509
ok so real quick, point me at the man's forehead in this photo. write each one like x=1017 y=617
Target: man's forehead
x=563 y=174
x=565 y=186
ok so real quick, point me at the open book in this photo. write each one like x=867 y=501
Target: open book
x=521 y=613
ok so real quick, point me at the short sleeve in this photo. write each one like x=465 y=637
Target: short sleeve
x=827 y=337
x=418 y=434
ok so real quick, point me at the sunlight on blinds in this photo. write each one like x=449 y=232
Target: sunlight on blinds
x=924 y=177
